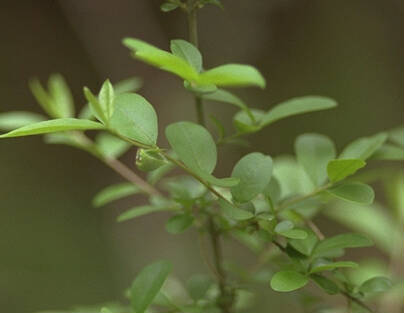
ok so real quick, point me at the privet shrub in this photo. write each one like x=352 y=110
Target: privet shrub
x=267 y=203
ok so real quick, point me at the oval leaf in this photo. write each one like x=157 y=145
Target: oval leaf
x=363 y=148
x=135 y=118
x=285 y=281
x=188 y=52
x=353 y=192
x=52 y=126
x=254 y=171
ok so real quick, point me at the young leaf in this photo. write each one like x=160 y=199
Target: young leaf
x=16 y=119
x=340 y=242
x=51 y=126
x=288 y=280
x=179 y=223
x=375 y=285
x=114 y=192
x=127 y=85
x=234 y=212
x=61 y=96
x=168 y=6
x=135 y=118
x=106 y=99
x=363 y=148
x=325 y=283
x=245 y=124
x=110 y=146
x=42 y=97
x=329 y=266
x=254 y=171
x=305 y=246
x=193 y=145
x=313 y=152
x=232 y=75
x=339 y=169
x=147 y=284
x=353 y=192
x=140 y=211
x=297 y=106
x=188 y=52
x=95 y=106
x=161 y=59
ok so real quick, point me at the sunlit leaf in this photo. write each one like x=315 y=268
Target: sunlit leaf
x=339 y=169
x=188 y=52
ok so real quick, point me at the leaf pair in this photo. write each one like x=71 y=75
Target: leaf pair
x=185 y=61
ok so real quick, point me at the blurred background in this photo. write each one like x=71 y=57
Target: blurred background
x=56 y=250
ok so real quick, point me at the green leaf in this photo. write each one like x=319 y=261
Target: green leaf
x=325 y=283
x=341 y=242
x=193 y=145
x=51 y=126
x=273 y=190
x=135 y=118
x=42 y=97
x=397 y=136
x=297 y=106
x=325 y=265
x=198 y=286
x=306 y=245
x=95 y=106
x=153 y=177
x=61 y=96
x=148 y=160
x=353 y=192
x=388 y=152
x=225 y=96
x=363 y=148
x=213 y=2
x=188 y=52
x=105 y=310
x=147 y=285
x=220 y=182
x=234 y=212
x=167 y=6
x=286 y=229
x=140 y=211
x=161 y=59
x=131 y=84
x=110 y=146
x=179 y=223
x=245 y=124
x=339 y=169
x=254 y=171
x=114 y=192
x=15 y=119
x=106 y=99
x=375 y=285
x=313 y=152
x=288 y=280
x=232 y=75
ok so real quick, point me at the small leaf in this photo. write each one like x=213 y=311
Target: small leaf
x=234 y=212
x=15 y=119
x=288 y=280
x=105 y=310
x=325 y=283
x=188 y=52
x=161 y=59
x=148 y=160
x=232 y=75
x=61 y=96
x=198 y=286
x=297 y=106
x=51 y=126
x=110 y=146
x=167 y=6
x=273 y=190
x=339 y=169
x=353 y=192
x=363 y=148
x=193 y=145
x=254 y=171
x=284 y=226
x=220 y=182
x=397 y=136
x=106 y=99
x=306 y=245
x=114 y=192
x=128 y=85
x=134 y=117
x=245 y=124
x=140 y=211
x=179 y=223
x=329 y=266
x=95 y=106
x=147 y=285
x=341 y=242
x=375 y=285
x=388 y=152
x=286 y=229
x=313 y=152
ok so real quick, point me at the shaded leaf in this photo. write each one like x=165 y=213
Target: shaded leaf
x=114 y=192
x=363 y=148
x=325 y=283
x=234 y=212
x=325 y=265
x=179 y=223
x=198 y=285
x=140 y=211
x=353 y=192
x=375 y=285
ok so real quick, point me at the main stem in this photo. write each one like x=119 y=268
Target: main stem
x=225 y=295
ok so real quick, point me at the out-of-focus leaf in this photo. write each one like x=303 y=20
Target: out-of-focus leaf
x=375 y=285
x=114 y=192
x=61 y=96
x=198 y=285
x=363 y=148
x=288 y=280
x=326 y=284
x=234 y=212
x=110 y=146
x=179 y=223
x=325 y=265
x=397 y=136
x=140 y=211
x=353 y=192
x=389 y=152
x=16 y=119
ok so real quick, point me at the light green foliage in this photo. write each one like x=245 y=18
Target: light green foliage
x=254 y=172
x=375 y=285
x=111 y=147
x=147 y=284
x=354 y=192
x=179 y=223
x=140 y=211
x=363 y=148
x=17 y=119
x=114 y=192
x=135 y=118
x=288 y=280
x=188 y=52
x=234 y=212
x=313 y=152
x=325 y=265
x=339 y=169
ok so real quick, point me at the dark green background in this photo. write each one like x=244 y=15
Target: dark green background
x=55 y=249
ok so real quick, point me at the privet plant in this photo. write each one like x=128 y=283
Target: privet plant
x=267 y=204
